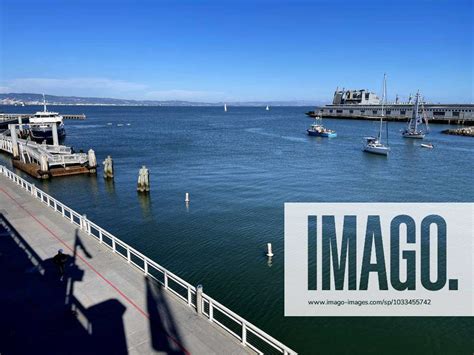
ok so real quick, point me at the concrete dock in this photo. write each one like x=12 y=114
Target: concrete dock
x=103 y=305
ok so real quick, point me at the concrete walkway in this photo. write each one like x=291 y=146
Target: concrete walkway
x=103 y=305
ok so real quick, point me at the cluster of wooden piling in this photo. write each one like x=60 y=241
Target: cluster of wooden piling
x=108 y=168
x=143 y=184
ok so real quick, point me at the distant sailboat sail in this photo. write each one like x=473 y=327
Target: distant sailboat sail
x=267 y=108
x=413 y=130
x=225 y=107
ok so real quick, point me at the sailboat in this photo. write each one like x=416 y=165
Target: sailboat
x=225 y=107
x=267 y=108
x=413 y=130
x=374 y=145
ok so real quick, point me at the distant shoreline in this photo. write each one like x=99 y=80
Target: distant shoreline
x=32 y=99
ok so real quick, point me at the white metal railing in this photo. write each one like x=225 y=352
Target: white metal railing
x=247 y=333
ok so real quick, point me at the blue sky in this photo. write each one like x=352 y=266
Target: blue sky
x=236 y=50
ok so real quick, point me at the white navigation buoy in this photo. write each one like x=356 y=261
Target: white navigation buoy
x=187 y=197
x=269 y=250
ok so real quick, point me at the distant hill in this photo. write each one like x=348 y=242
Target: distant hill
x=36 y=99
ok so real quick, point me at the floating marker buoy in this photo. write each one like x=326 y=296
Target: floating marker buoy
x=187 y=197
x=269 y=250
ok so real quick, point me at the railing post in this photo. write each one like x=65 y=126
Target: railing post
x=199 y=299
x=101 y=240
x=244 y=334
x=165 y=279
x=84 y=223
x=189 y=296
x=145 y=266
x=211 y=310
x=129 y=258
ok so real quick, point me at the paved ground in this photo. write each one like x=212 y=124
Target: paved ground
x=102 y=306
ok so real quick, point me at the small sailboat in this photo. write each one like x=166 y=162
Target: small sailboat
x=267 y=108
x=374 y=145
x=318 y=130
x=413 y=128
x=225 y=107
x=427 y=145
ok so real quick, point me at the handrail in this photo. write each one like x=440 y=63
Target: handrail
x=185 y=292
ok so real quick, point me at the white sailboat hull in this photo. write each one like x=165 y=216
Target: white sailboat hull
x=377 y=150
x=414 y=135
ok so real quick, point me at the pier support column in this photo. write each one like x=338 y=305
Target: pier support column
x=20 y=123
x=55 y=134
x=14 y=137
x=199 y=299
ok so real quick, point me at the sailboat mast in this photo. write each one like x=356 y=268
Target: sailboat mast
x=415 y=113
x=384 y=102
x=383 y=108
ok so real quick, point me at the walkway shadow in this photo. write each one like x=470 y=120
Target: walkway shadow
x=40 y=313
x=165 y=336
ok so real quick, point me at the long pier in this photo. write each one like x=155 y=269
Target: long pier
x=113 y=298
x=16 y=116
x=392 y=118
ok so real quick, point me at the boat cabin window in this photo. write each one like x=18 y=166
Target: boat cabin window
x=402 y=112
x=374 y=112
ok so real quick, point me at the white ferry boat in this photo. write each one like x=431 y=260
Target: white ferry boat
x=41 y=125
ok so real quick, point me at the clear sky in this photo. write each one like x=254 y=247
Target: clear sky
x=236 y=50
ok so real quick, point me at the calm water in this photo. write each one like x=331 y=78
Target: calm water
x=239 y=168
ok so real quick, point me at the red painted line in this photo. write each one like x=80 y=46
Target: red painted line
x=138 y=308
